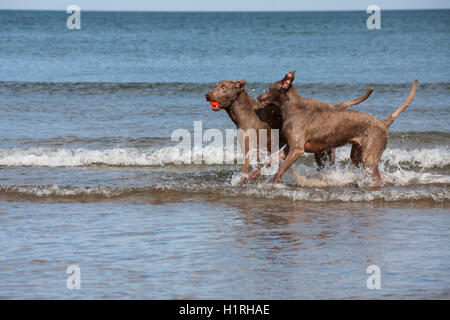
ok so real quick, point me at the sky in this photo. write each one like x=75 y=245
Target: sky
x=223 y=5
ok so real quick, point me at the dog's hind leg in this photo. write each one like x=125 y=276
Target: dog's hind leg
x=331 y=155
x=320 y=157
x=356 y=154
x=371 y=155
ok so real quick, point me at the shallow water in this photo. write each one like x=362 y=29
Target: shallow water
x=89 y=175
x=182 y=246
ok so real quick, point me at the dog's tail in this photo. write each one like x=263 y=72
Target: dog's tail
x=350 y=103
x=410 y=98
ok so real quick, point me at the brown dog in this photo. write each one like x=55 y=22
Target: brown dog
x=313 y=126
x=247 y=113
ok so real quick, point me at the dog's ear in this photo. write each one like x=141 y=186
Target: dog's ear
x=288 y=79
x=240 y=84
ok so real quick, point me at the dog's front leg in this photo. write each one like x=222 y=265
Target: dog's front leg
x=247 y=165
x=244 y=172
x=293 y=155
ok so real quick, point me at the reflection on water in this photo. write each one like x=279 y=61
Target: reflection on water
x=193 y=247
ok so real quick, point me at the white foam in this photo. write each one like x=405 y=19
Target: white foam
x=60 y=191
x=261 y=190
x=423 y=158
x=49 y=157
x=344 y=194
x=351 y=184
x=361 y=195
x=53 y=157
x=348 y=175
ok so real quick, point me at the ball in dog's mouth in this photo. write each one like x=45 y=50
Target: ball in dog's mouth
x=215 y=106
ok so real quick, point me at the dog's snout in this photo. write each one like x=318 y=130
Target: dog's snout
x=208 y=96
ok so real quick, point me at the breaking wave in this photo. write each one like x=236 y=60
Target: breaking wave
x=48 y=157
x=259 y=191
x=55 y=157
x=408 y=175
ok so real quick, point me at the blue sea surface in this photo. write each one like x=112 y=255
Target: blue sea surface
x=324 y=47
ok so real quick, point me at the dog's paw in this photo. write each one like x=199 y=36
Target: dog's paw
x=239 y=179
